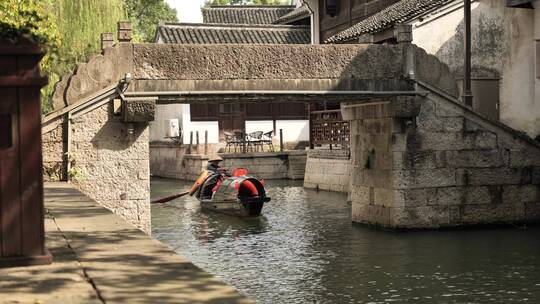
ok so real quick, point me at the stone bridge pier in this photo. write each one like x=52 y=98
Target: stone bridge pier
x=428 y=162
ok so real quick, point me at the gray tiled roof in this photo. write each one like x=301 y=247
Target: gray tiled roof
x=202 y=33
x=396 y=13
x=299 y=13
x=245 y=14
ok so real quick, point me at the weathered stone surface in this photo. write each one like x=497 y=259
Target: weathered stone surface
x=472 y=158
x=410 y=179
x=371 y=214
x=430 y=70
x=109 y=167
x=54 y=171
x=532 y=211
x=449 y=168
x=482 y=195
x=58 y=98
x=527 y=156
x=493 y=176
x=492 y=213
x=419 y=217
x=450 y=195
x=453 y=124
x=139 y=110
x=405 y=106
x=160 y=61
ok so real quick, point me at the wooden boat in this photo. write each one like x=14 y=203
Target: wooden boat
x=237 y=195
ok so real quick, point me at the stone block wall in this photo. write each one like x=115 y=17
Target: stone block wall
x=328 y=170
x=283 y=165
x=54 y=147
x=106 y=162
x=429 y=163
x=171 y=161
x=111 y=166
x=166 y=160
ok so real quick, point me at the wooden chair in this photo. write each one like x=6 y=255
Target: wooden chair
x=230 y=141
x=240 y=139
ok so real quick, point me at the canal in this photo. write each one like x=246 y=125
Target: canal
x=305 y=250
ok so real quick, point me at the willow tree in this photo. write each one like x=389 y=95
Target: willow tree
x=79 y=23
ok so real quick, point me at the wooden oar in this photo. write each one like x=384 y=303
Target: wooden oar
x=169 y=198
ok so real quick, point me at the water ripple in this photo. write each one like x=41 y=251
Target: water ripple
x=305 y=250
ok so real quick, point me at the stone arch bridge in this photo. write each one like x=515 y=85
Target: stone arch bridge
x=419 y=159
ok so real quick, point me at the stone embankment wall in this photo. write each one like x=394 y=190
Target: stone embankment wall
x=283 y=165
x=111 y=166
x=171 y=161
x=328 y=170
x=54 y=152
x=166 y=160
x=106 y=162
x=427 y=162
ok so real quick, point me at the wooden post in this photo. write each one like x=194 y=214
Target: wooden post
x=281 y=140
x=244 y=142
x=190 y=142
x=22 y=231
x=197 y=140
x=310 y=117
x=205 y=142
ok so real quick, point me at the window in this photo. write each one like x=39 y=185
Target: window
x=279 y=111
x=203 y=111
x=332 y=7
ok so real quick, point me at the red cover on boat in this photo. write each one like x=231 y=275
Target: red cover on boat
x=250 y=187
x=240 y=172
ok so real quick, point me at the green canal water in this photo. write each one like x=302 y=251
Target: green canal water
x=305 y=250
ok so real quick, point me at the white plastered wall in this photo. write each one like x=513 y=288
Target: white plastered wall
x=503 y=42
x=158 y=127
x=293 y=130
x=189 y=126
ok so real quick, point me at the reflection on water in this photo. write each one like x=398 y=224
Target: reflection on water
x=305 y=250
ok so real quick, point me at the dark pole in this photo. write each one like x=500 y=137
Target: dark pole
x=280 y=140
x=467 y=93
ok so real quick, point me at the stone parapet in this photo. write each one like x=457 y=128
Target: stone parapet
x=439 y=165
x=282 y=165
x=172 y=161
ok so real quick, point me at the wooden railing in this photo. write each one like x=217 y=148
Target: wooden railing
x=329 y=128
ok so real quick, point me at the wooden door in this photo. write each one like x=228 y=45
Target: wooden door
x=486 y=97
x=232 y=117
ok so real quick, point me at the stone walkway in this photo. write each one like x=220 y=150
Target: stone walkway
x=99 y=258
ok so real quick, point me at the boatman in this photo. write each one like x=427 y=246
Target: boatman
x=215 y=176
x=213 y=166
